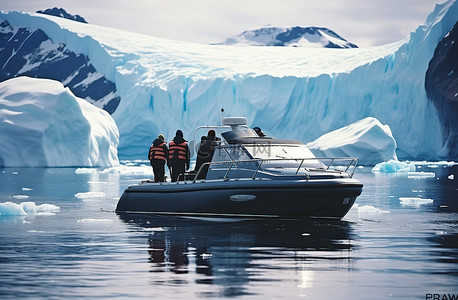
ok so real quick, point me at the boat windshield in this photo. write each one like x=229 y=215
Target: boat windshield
x=279 y=151
x=293 y=155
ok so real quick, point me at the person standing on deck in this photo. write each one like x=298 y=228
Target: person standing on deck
x=157 y=155
x=179 y=155
x=205 y=153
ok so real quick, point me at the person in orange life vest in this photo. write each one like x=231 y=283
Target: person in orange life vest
x=157 y=155
x=178 y=161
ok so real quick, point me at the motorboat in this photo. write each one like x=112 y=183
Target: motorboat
x=250 y=176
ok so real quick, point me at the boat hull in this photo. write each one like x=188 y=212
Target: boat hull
x=244 y=198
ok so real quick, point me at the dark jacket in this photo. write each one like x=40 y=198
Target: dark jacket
x=179 y=152
x=158 y=151
x=205 y=152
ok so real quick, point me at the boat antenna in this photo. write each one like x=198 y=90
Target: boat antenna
x=222 y=116
x=275 y=124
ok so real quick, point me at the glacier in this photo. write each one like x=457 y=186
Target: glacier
x=290 y=92
x=42 y=124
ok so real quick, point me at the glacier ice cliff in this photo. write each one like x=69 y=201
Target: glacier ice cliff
x=42 y=124
x=290 y=92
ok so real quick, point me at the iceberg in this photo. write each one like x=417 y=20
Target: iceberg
x=394 y=166
x=42 y=124
x=414 y=201
x=27 y=208
x=298 y=93
x=368 y=140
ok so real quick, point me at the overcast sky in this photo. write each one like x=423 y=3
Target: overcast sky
x=363 y=22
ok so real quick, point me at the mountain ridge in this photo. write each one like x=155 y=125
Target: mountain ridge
x=295 y=36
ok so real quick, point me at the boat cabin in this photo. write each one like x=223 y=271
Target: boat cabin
x=241 y=153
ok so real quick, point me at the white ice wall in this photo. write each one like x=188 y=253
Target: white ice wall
x=293 y=93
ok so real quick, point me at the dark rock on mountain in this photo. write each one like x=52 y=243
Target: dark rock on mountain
x=60 y=12
x=24 y=52
x=441 y=85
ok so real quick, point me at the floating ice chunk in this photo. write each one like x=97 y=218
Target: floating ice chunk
x=365 y=212
x=371 y=210
x=414 y=201
x=436 y=163
x=129 y=170
x=94 y=220
x=88 y=195
x=418 y=175
x=368 y=139
x=21 y=197
x=47 y=208
x=85 y=171
x=11 y=209
x=27 y=208
x=451 y=177
x=393 y=166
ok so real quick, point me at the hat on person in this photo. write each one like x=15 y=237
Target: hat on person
x=259 y=131
x=161 y=137
x=179 y=133
x=211 y=132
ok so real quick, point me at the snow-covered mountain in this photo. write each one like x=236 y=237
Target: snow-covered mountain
x=30 y=52
x=297 y=36
x=290 y=92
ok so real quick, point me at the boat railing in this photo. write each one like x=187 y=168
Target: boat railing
x=334 y=164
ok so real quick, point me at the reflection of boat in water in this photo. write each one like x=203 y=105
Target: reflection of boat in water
x=211 y=248
x=252 y=176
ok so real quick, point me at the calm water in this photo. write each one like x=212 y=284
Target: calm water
x=400 y=241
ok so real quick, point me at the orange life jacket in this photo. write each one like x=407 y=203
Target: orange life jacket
x=180 y=148
x=157 y=152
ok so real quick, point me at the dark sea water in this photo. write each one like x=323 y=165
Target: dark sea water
x=400 y=241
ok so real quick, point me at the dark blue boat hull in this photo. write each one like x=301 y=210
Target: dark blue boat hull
x=244 y=198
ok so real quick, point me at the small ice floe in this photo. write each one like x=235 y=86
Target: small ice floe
x=420 y=175
x=90 y=195
x=27 y=208
x=154 y=229
x=129 y=170
x=94 y=220
x=393 y=166
x=451 y=177
x=371 y=210
x=366 y=212
x=435 y=164
x=414 y=201
x=85 y=171
x=21 y=197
